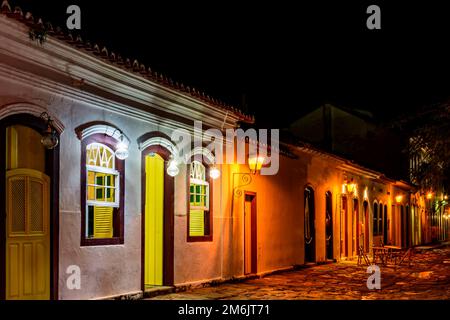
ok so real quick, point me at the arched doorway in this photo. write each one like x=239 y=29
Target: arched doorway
x=407 y=227
x=157 y=218
x=385 y=225
x=355 y=227
x=309 y=210
x=29 y=221
x=366 y=228
x=329 y=226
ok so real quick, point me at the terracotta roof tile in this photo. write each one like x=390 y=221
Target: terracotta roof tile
x=117 y=60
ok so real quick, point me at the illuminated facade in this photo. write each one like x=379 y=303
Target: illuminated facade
x=102 y=193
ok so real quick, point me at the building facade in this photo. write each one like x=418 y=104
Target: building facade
x=107 y=202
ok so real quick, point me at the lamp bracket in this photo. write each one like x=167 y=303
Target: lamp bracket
x=244 y=180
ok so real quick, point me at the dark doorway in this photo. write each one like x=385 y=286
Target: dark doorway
x=250 y=235
x=310 y=245
x=329 y=225
x=355 y=231
x=402 y=226
x=407 y=227
x=366 y=229
x=385 y=226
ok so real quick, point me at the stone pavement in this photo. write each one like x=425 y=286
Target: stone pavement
x=427 y=278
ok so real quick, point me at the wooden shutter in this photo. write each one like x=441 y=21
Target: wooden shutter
x=197 y=223
x=103 y=222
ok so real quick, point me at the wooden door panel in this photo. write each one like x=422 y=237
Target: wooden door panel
x=28 y=236
x=154 y=220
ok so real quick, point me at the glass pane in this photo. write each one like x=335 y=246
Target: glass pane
x=99 y=194
x=192 y=189
x=91 y=193
x=91 y=177
x=99 y=179
x=110 y=181
x=192 y=199
x=110 y=192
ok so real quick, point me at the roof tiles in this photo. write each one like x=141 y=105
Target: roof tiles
x=133 y=66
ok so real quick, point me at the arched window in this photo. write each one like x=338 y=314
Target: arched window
x=199 y=211
x=309 y=225
x=375 y=219
x=102 y=187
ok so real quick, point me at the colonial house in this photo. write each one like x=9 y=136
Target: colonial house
x=90 y=183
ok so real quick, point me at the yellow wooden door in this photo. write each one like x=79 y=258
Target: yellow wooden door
x=154 y=213
x=248 y=237
x=27 y=235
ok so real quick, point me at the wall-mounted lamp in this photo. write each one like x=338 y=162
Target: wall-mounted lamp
x=429 y=195
x=255 y=163
x=49 y=138
x=366 y=193
x=172 y=168
x=214 y=173
x=399 y=198
x=122 y=150
x=349 y=187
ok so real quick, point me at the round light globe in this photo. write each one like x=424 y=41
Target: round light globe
x=214 y=173
x=49 y=140
x=172 y=169
x=122 y=151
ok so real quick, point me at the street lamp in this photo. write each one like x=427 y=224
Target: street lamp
x=255 y=163
x=122 y=150
x=172 y=168
x=214 y=173
x=49 y=138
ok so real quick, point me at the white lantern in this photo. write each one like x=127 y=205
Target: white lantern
x=214 y=173
x=122 y=151
x=172 y=168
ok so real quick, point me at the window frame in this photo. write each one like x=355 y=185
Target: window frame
x=209 y=221
x=118 y=211
x=106 y=171
x=375 y=211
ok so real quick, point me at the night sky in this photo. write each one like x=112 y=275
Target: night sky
x=285 y=58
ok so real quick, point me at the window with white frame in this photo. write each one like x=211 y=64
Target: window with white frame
x=102 y=191
x=199 y=200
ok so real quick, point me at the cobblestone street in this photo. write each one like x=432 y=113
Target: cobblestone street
x=428 y=278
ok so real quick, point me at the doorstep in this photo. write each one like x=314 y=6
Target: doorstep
x=153 y=291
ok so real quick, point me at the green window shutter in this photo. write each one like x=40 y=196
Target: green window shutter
x=103 y=222
x=196 y=223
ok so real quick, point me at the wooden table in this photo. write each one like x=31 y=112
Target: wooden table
x=380 y=252
x=391 y=254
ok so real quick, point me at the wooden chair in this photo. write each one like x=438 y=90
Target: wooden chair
x=402 y=256
x=362 y=256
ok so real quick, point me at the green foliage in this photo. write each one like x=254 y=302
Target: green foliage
x=430 y=143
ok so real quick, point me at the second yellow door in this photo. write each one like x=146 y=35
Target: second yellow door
x=154 y=220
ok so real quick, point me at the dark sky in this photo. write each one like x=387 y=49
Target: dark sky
x=286 y=57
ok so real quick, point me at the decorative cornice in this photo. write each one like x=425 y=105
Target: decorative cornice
x=104 y=61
